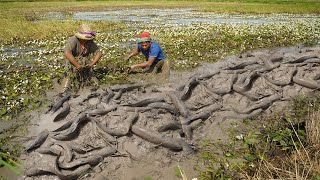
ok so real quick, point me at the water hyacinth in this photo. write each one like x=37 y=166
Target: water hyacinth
x=29 y=65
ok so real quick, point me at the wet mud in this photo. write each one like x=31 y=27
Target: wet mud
x=146 y=129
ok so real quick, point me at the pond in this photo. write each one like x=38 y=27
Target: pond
x=183 y=16
x=179 y=16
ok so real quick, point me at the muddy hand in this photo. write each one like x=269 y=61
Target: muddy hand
x=128 y=69
x=81 y=69
x=133 y=67
x=126 y=58
x=88 y=66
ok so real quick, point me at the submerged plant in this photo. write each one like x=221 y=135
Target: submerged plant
x=9 y=163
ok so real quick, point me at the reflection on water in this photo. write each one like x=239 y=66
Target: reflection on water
x=165 y=16
x=183 y=16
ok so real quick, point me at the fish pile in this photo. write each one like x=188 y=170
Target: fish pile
x=169 y=117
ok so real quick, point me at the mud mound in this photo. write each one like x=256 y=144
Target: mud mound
x=112 y=129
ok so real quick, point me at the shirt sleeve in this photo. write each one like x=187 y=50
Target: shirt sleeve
x=70 y=45
x=139 y=47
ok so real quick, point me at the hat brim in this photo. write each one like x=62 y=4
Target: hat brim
x=84 y=36
x=141 y=40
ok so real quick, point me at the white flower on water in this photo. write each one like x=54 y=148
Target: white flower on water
x=251 y=165
x=239 y=137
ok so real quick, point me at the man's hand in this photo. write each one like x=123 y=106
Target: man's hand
x=82 y=68
x=89 y=66
x=127 y=58
x=72 y=60
x=133 y=67
x=79 y=68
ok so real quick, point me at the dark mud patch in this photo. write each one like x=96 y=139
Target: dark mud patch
x=121 y=123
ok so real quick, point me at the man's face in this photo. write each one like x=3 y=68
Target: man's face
x=83 y=41
x=145 y=45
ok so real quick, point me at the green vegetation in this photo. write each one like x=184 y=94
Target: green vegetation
x=148 y=178
x=261 y=8
x=28 y=73
x=11 y=164
x=10 y=149
x=9 y=160
x=281 y=146
x=178 y=172
x=16 y=9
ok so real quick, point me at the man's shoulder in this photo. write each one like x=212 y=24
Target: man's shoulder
x=155 y=44
x=72 y=39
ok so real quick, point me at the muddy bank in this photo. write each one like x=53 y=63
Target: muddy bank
x=147 y=129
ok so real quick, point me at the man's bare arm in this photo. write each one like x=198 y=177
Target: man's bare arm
x=134 y=52
x=72 y=60
x=144 y=64
x=96 y=59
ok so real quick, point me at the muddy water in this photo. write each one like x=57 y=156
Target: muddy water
x=178 y=16
x=184 y=16
x=7 y=174
x=5 y=125
x=162 y=17
x=259 y=88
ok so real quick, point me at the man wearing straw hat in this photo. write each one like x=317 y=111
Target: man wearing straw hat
x=155 y=58
x=82 y=54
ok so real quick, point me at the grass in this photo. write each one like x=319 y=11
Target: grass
x=21 y=31
x=25 y=9
x=279 y=146
x=262 y=8
x=12 y=165
x=20 y=18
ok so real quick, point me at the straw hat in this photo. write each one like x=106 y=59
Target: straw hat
x=144 y=37
x=84 y=32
